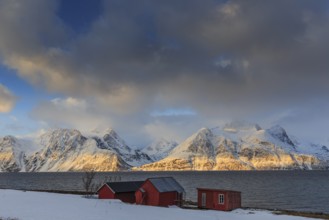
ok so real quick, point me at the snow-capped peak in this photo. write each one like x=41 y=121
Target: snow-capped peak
x=278 y=132
x=100 y=131
x=204 y=131
x=277 y=129
x=159 y=149
x=18 y=144
x=12 y=154
x=199 y=143
x=8 y=139
x=62 y=139
x=109 y=139
x=115 y=141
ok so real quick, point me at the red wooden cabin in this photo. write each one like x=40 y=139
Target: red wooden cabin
x=162 y=191
x=125 y=191
x=218 y=199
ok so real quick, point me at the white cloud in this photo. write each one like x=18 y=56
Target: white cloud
x=223 y=63
x=229 y=10
x=115 y=62
x=34 y=134
x=7 y=100
x=70 y=103
x=70 y=112
x=118 y=70
x=159 y=129
x=174 y=112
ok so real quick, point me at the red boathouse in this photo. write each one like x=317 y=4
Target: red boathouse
x=125 y=191
x=162 y=191
x=218 y=199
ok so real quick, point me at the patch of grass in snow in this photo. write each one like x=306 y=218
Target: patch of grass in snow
x=1 y=218
x=303 y=214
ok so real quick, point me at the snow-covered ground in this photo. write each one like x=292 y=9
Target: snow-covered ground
x=50 y=206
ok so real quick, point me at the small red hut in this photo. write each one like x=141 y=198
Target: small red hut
x=218 y=199
x=162 y=191
x=125 y=191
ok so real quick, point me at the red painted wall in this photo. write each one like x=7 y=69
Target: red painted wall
x=154 y=198
x=216 y=204
x=169 y=198
x=151 y=195
x=105 y=193
x=126 y=197
x=209 y=199
x=232 y=199
x=139 y=198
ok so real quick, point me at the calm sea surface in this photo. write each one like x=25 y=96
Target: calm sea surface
x=289 y=190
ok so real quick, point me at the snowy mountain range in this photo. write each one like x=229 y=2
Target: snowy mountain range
x=69 y=150
x=241 y=146
x=236 y=146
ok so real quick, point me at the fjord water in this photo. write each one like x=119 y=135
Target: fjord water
x=288 y=190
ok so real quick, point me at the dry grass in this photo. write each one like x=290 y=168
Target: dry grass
x=303 y=214
x=8 y=218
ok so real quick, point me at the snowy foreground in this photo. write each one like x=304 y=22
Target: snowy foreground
x=51 y=206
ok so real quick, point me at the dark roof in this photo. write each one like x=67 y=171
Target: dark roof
x=166 y=184
x=218 y=190
x=120 y=187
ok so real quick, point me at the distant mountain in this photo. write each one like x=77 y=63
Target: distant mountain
x=69 y=150
x=112 y=141
x=159 y=149
x=242 y=147
x=236 y=146
x=11 y=154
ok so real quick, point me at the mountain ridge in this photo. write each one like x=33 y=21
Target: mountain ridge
x=248 y=148
x=236 y=146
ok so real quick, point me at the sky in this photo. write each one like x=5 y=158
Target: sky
x=151 y=69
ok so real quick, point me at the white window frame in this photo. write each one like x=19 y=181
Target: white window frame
x=221 y=199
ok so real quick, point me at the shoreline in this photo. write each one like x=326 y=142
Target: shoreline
x=302 y=214
x=174 y=171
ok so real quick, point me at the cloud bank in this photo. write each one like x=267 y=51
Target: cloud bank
x=222 y=59
x=7 y=100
